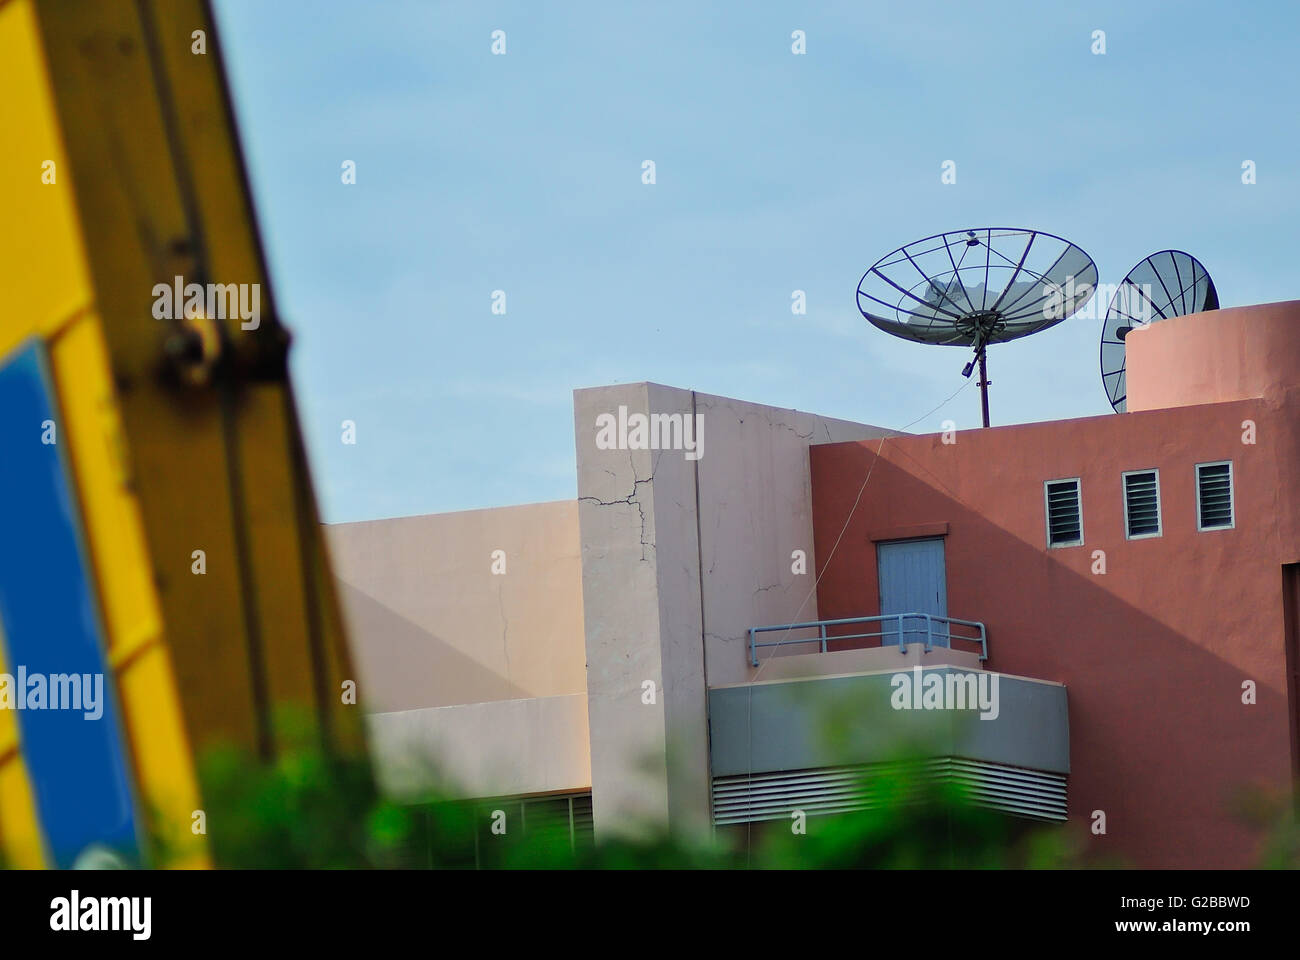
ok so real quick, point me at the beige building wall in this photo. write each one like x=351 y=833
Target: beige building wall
x=587 y=664
x=494 y=749
x=469 y=675
x=433 y=626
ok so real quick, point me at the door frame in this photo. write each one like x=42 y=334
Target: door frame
x=891 y=638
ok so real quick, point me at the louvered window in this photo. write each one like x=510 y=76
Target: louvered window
x=1142 y=504
x=1064 y=513
x=1214 y=496
x=555 y=823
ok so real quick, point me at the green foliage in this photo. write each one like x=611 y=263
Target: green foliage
x=309 y=809
x=1272 y=815
x=915 y=825
x=306 y=809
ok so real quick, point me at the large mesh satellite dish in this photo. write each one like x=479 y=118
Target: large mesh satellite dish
x=1166 y=284
x=970 y=288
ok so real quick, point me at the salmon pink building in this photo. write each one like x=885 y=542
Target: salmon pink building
x=1088 y=622
x=1166 y=605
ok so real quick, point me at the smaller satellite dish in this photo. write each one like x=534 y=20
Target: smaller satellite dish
x=1166 y=284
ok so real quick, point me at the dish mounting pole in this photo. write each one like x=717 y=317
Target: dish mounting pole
x=981 y=357
x=984 y=384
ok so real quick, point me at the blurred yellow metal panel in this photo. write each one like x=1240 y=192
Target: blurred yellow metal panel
x=44 y=283
x=164 y=465
x=151 y=712
x=218 y=463
x=92 y=430
x=210 y=160
x=45 y=290
x=299 y=622
x=137 y=234
x=216 y=459
x=164 y=771
x=45 y=279
x=268 y=493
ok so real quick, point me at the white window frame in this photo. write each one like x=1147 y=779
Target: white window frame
x=1047 y=513
x=1160 y=513
x=1232 y=495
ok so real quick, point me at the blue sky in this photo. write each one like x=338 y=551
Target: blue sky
x=775 y=172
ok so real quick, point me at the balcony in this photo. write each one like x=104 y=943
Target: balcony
x=895 y=629
x=909 y=689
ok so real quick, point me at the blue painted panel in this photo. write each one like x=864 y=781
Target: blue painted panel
x=78 y=767
x=912 y=580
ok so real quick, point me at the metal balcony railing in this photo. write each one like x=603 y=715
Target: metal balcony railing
x=896 y=628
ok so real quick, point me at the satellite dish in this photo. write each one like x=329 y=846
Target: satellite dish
x=1166 y=284
x=970 y=288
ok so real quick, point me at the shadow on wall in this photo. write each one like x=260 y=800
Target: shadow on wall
x=1160 y=740
x=405 y=667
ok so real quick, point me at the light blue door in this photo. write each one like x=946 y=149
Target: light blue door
x=913 y=580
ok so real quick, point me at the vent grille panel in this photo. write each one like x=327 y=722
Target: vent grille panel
x=1064 y=520
x=1142 y=504
x=583 y=831
x=1214 y=492
x=774 y=796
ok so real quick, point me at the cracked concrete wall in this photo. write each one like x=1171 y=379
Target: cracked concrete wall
x=634 y=532
x=679 y=558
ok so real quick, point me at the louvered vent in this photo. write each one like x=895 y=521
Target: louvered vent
x=1214 y=495
x=567 y=817
x=1064 y=516
x=583 y=832
x=547 y=814
x=1033 y=794
x=1142 y=504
